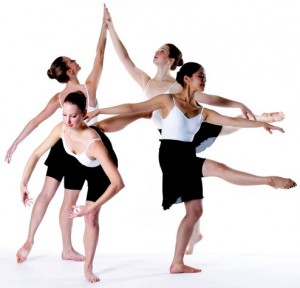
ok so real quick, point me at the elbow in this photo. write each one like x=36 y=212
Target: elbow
x=120 y=185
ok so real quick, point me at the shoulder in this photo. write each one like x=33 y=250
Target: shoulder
x=90 y=134
x=176 y=88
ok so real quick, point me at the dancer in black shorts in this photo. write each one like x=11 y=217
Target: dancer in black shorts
x=90 y=157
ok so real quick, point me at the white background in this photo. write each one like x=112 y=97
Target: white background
x=250 y=50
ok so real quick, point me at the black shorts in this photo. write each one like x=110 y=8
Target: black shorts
x=97 y=180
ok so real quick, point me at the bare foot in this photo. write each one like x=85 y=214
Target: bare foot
x=282 y=183
x=72 y=255
x=190 y=248
x=89 y=275
x=24 y=251
x=181 y=268
x=271 y=117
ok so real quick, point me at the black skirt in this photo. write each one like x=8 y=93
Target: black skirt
x=182 y=172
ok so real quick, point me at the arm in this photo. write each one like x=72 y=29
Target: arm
x=98 y=151
x=34 y=158
x=219 y=101
x=93 y=79
x=137 y=74
x=219 y=119
x=119 y=122
x=163 y=102
x=49 y=110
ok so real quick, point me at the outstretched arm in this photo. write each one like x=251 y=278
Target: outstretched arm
x=34 y=158
x=50 y=108
x=98 y=151
x=215 y=100
x=219 y=119
x=119 y=122
x=137 y=74
x=163 y=102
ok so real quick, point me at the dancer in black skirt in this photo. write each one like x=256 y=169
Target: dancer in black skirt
x=166 y=59
x=182 y=170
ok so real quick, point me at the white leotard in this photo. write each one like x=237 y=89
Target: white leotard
x=176 y=126
x=82 y=157
x=156 y=115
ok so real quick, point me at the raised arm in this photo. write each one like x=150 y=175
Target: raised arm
x=34 y=158
x=49 y=110
x=97 y=150
x=213 y=117
x=93 y=79
x=215 y=100
x=137 y=74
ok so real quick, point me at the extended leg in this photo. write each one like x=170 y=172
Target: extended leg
x=38 y=212
x=213 y=168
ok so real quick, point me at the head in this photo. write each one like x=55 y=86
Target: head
x=169 y=53
x=192 y=73
x=74 y=109
x=62 y=69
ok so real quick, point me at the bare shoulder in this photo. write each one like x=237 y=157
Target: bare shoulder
x=176 y=88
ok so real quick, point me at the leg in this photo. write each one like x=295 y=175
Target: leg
x=265 y=117
x=90 y=239
x=184 y=233
x=38 y=212
x=195 y=238
x=66 y=224
x=213 y=168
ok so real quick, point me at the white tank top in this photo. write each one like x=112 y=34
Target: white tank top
x=82 y=157
x=156 y=115
x=176 y=126
x=89 y=108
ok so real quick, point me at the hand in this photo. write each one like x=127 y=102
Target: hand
x=78 y=211
x=107 y=18
x=10 y=152
x=26 y=200
x=270 y=127
x=247 y=113
x=90 y=116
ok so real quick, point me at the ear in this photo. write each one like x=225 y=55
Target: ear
x=186 y=79
x=84 y=112
x=69 y=72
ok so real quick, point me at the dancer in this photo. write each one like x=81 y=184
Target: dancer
x=182 y=116
x=85 y=145
x=64 y=70
x=167 y=58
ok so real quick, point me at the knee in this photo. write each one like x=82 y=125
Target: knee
x=91 y=221
x=219 y=168
x=194 y=216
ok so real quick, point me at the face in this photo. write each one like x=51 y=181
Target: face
x=72 y=115
x=161 y=56
x=72 y=64
x=198 y=80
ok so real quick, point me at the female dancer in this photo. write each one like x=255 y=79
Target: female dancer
x=182 y=116
x=167 y=58
x=85 y=145
x=64 y=70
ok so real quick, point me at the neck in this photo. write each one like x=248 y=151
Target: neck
x=163 y=73
x=187 y=95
